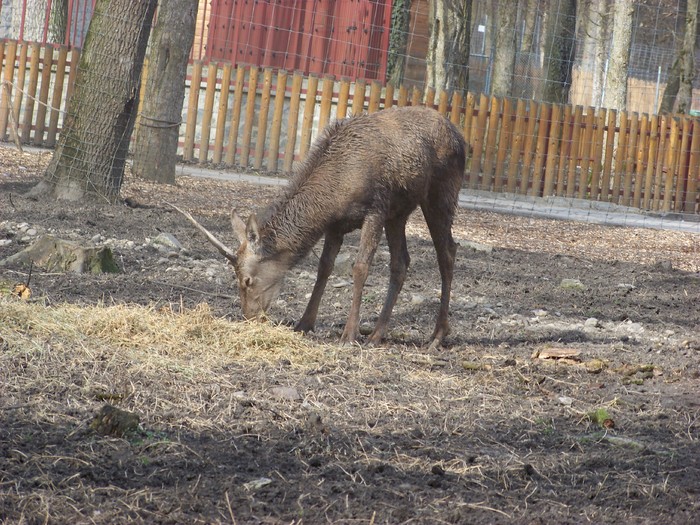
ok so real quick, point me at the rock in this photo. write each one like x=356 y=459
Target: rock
x=167 y=241
x=343 y=264
x=58 y=255
x=571 y=284
x=5 y=242
x=592 y=322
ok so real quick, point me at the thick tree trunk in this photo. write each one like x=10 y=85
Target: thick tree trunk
x=448 y=49
x=616 y=81
x=88 y=163
x=561 y=37
x=398 y=41
x=678 y=95
x=600 y=31
x=504 y=58
x=155 y=149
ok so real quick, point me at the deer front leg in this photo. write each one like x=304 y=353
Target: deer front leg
x=331 y=247
x=370 y=235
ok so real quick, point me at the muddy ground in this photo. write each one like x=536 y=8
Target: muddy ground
x=487 y=429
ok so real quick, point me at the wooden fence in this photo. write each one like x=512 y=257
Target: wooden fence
x=265 y=120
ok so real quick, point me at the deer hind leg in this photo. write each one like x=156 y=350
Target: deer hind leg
x=331 y=247
x=370 y=235
x=396 y=237
x=439 y=215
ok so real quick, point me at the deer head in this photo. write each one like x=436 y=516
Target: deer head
x=259 y=277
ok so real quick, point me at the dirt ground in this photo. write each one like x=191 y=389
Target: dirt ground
x=567 y=391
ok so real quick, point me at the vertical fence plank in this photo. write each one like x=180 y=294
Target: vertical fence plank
x=651 y=161
x=672 y=160
x=478 y=142
x=660 y=161
x=640 y=163
x=504 y=143
x=358 y=97
x=597 y=153
x=74 y=62
x=57 y=97
x=553 y=150
x=19 y=82
x=293 y=122
x=620 y=157
x=8 y=77
x=221 y=113
x=403 y=97
x=541 y=149
x=491 y=137
x=28 y=116
x=611 y=133
x=574 y=152
x=586 y=147
x=389 y=96
x=456 y=108
x=324 y=115
x=529 y=149
x=416 y=96
x=261 y=136
x=249 y=118
x=682 y=178
x=629 y=162
x=429 y=98
x=443 y=102
x=192 y=105
x=693 y=169
x=308 y=117
x=341 y=110
x=209 y=94
x=468 y=117
x=375 y=97
x=276 y=126
x=41 y=111
x=232 y=142
x=519 y=128
x=564 y=151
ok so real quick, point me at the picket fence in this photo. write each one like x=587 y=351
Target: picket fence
x=249 y=118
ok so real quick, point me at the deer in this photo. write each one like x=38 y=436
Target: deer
x=368 y=172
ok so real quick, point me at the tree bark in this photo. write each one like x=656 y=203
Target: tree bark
x=504 y=58
x=155 y=149
x=559 y=61
x=398 y=41
x=678 y=94
x=448 y=48
x=616 y=81
x=89 y=160
x=600 y=32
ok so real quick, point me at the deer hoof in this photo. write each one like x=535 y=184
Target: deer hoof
x=304 y=327
x=435 y=344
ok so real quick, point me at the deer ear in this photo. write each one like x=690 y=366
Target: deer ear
x=238 y=227
x=252 y=232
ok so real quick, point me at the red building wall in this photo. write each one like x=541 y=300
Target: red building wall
x=338 y=37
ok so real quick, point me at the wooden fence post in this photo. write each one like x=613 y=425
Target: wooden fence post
x=564 y=150
x=41 y=111
x=276 y=126
x=519 y=135
x=249 y=115
x=212 y=73
x=682 y=178
x=341 y=110
x=8 y=78
x=232 y=143
x=221 y=113
x=192 y=105
x=308 y=118
x=293 y=122
x=478 y=142
x=693 y=169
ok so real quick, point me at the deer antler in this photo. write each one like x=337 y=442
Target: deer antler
x=223 y=249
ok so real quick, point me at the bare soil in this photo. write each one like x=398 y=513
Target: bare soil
x=487 y=429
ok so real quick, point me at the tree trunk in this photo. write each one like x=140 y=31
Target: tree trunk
x=504 y=58
x=600 y=32
x=398 y=41
x=616 y=81
x=678 y=95
x=561 y=37
x=155 y=149
x=448 y=48
x=88 y=163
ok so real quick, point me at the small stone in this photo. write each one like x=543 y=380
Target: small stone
x=592 y=322
x=31 y=232
x=5 y=242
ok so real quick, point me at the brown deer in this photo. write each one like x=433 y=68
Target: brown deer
x=368 y=172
